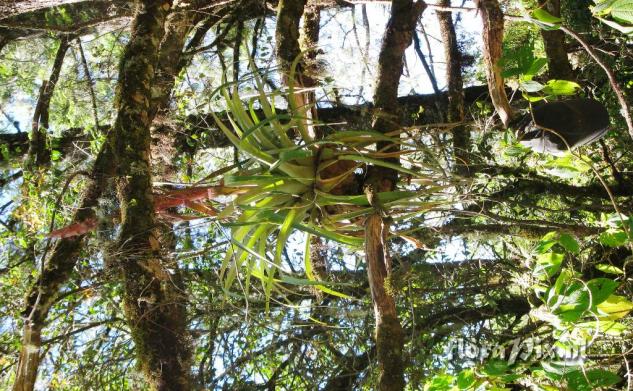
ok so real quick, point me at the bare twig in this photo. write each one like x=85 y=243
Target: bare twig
x=625 y=109
x=90 y=83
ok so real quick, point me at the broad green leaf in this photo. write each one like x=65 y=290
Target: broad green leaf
x=610 y=269
x=601 y=289
x=602 y=7
x=546 y=242
x=549 y=263
x=515 y=150
x=562 y=280
x=608 y=327
x=613 y=238
x=622 y=11
x=533 y=99
x=568 y=163
x=615 y=306
x=561 y=87
x=590 y=380
x=544 y=16
x=556 y=370
x=537 y=65
x=441 y=382
x=531 y=86
x=545 y=20
x=617 y=26
x=465 y=379
x=569 y=243
x=495 y=367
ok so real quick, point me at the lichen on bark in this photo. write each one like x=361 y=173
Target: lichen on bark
x=389 y=335
x=153 y=302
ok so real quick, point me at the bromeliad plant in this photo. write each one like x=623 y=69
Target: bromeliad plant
x=294 y=181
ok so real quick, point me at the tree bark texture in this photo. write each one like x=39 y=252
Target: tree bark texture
x=177 y=26
x=558 y=63
x=287 y=31
x=153 y=303
x=389 y=335
x=455 y=85
x=289 y=49
x=492 y=18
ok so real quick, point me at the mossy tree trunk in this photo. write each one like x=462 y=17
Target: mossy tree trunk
x=287 y=31
x=171 y=61
x=288 y=49
x=57 y=269
x=153 y=303
x=58 y=266
x=389 y=334
x=455 y=83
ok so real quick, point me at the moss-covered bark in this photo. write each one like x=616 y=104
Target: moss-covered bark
x=397 y=37
x=288 y=50
x=389 y=334
x=171 y=61
x=57 y=269
x=309 y=40
x=153 y=303
x=287 y=31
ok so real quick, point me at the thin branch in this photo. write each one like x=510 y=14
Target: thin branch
x=90 y=83
x=626 y=110
x=425 y=64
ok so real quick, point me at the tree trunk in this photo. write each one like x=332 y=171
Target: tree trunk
x=389 y=334
x=558 y=63
x=58 y=267
x=38 y=154
x=288 y=50
x=455 y=112
x=153 y=303
x=493 y=49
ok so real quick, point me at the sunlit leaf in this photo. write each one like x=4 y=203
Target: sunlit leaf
x=610 y=269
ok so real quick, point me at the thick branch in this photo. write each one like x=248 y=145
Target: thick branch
x=492 y=18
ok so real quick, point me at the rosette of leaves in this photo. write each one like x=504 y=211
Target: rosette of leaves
x=294 y=182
